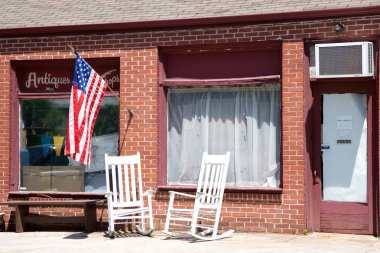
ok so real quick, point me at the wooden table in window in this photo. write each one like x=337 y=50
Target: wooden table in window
x=23 y=217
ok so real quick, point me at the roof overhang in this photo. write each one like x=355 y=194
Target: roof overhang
x=191 y=22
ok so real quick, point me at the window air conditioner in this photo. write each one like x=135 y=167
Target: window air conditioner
x=334 y=60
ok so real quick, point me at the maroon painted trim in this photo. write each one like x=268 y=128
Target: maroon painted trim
x=165 y=83
x=160 y=66
x=162 y=135
x=221 y=47
x=162 y=145
x=370 y=161
x=350 y=85
x=376 y=150
x=307 y=117
x=342 y=80
x=56 y=95
x=14 y=154
x=222 y=64
x=282 y=123
x=222 y=82
x=316 y=157
x=18 y=194
x=354 y=218
x=43 y=95
x=53 y=76
x=226 y=190
x=154 y=24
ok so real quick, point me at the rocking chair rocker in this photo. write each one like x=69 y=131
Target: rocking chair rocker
x=205 y=215
x=125 y=193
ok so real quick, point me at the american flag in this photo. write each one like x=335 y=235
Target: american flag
x=86 y=97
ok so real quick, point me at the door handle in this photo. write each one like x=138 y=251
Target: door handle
x=325 y=147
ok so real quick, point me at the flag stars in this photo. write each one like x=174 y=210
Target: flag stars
x=82 y=73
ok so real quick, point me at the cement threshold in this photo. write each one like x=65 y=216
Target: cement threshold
x=98 y=242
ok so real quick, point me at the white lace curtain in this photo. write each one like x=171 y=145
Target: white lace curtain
x=243 y=120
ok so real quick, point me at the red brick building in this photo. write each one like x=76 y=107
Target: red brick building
x=258 y=78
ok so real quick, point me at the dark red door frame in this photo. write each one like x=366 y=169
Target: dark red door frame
x=359 y=86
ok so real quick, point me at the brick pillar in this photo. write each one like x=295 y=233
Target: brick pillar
x=293 y=132
x=138 y=92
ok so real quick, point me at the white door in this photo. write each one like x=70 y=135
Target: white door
x=344 y=147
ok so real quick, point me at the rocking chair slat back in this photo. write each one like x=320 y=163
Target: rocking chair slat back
x=126 y=176
x=133 y=178
x=126 y=184
x=212 y=177
x=121 y=188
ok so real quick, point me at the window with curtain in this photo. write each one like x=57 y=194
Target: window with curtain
x=244 y=120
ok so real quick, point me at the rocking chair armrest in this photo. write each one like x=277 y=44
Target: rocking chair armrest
x=181 y=193
x=108 y=195
x=148 y=193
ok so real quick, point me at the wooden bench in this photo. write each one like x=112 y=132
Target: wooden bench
x=23 y=217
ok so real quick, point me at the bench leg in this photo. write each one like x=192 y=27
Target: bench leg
x=21 y=212
x=90 y=217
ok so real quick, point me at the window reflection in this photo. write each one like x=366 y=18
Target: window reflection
x=44 y=166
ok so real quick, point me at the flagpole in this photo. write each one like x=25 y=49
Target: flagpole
x=114 y=93
x=72 y=50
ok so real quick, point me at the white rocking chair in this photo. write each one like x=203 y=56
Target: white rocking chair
x=204 y=217
x=125 y=194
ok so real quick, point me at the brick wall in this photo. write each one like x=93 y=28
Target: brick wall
x=263 y=212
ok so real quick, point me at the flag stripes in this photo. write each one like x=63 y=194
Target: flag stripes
x=86 y=97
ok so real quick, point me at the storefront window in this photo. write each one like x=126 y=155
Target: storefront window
x=43 y=164
x=244 y=120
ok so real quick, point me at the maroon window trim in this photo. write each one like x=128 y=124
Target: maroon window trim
x=162 y=136
x=56 y=95
x=14 y=154
x=14 y=124
x=222 y=82
x=241 y=63
x=166 y=83
x=227 y=189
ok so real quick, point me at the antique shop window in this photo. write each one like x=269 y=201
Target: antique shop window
x=42 y=101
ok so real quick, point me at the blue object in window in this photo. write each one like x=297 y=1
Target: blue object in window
x=46 y=142
x=24 y=155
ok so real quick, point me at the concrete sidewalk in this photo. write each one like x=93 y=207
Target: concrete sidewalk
x=77 y=242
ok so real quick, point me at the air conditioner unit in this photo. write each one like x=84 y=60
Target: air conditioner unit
x=353 y=59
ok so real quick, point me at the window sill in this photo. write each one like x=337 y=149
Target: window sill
x=47 y=194
x=226 y=190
